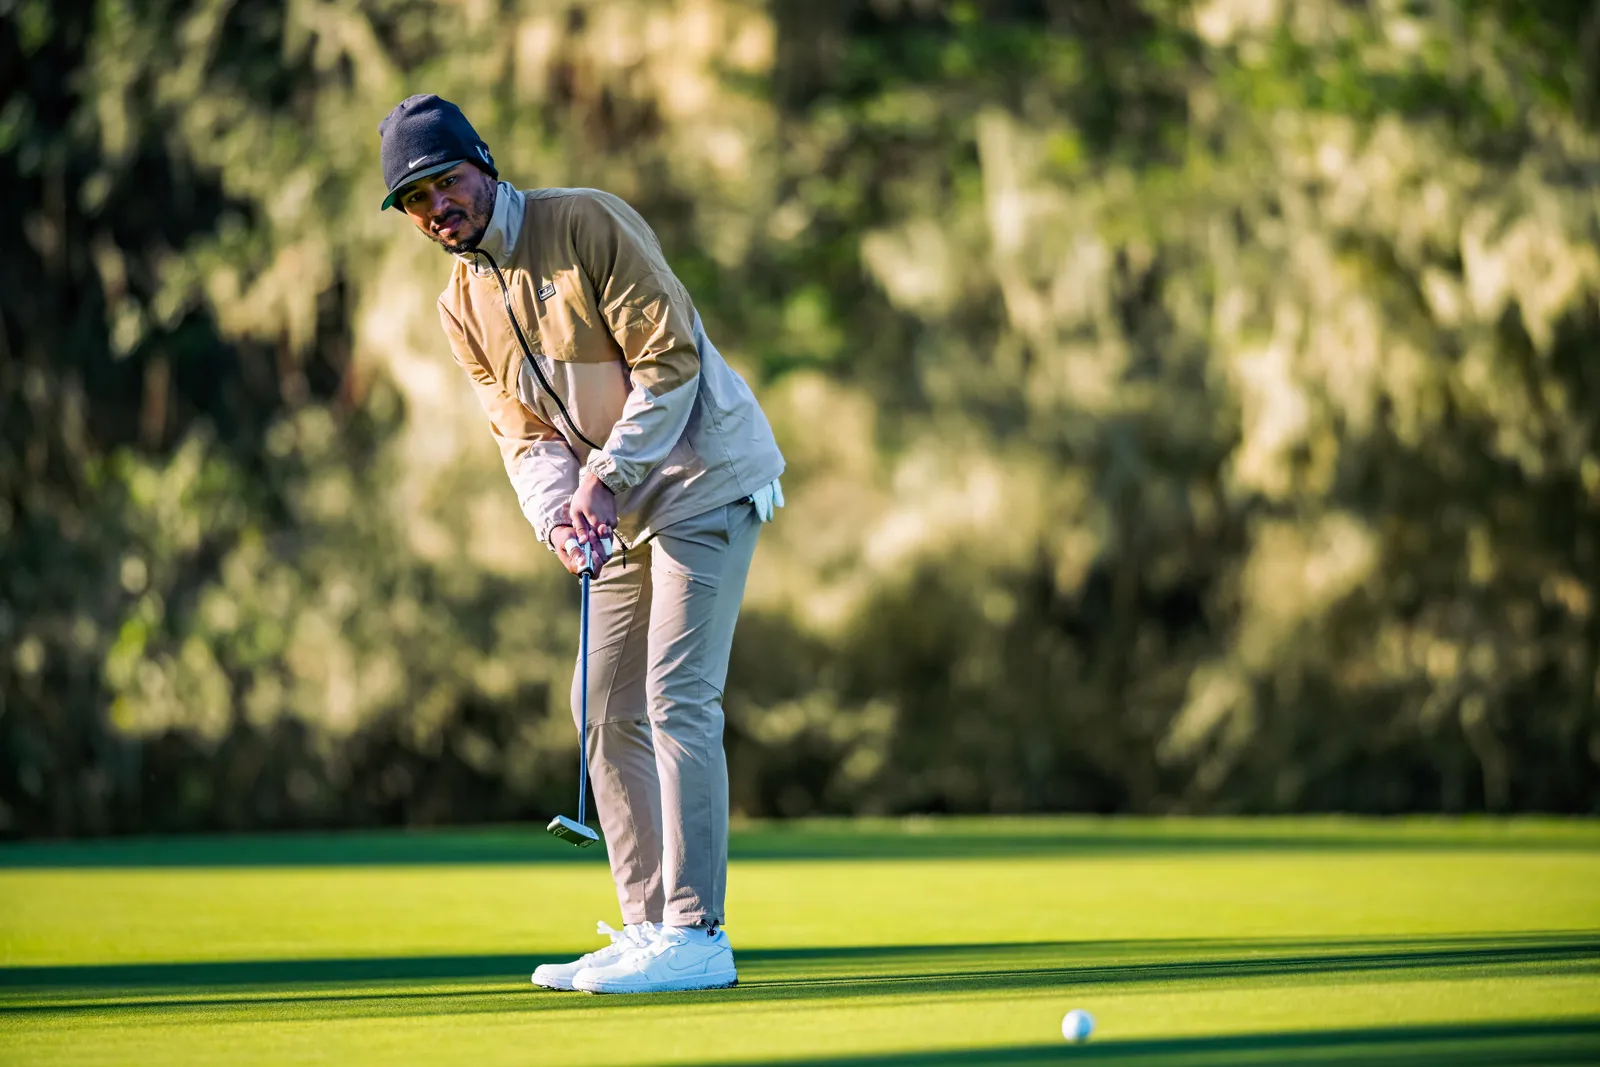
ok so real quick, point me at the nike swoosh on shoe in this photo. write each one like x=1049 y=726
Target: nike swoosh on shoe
x=700 y=963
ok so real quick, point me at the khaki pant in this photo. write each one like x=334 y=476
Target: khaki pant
x=660 y=630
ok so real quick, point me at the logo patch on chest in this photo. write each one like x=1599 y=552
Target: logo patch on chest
x=547 y=290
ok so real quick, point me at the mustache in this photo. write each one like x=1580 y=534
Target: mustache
x=447 y=218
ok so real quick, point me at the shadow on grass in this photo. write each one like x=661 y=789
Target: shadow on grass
x=774 y=974
x=1488 y=1045
x=866 y=839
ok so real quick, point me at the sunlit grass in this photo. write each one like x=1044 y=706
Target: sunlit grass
x=1324 y=941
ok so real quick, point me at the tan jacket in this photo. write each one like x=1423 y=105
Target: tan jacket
x=587 y=353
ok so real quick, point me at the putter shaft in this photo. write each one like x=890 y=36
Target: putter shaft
x=576 y=832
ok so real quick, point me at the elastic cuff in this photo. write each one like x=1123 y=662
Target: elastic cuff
x=604 y=467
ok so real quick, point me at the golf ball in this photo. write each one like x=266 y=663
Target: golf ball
x=1077 y=1025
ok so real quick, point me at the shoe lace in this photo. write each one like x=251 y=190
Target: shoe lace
x=639 y=935
x=655 y=946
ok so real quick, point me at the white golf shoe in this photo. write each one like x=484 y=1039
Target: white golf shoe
x=676 y=960
x=630 y=938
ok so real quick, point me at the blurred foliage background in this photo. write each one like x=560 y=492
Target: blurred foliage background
x=1190 y=406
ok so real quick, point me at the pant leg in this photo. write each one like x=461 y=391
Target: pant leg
x=622 y=762
x=698 y=578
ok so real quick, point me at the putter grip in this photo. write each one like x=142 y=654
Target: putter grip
x=609 y=543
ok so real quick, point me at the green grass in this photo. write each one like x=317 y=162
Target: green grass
x=871 y=942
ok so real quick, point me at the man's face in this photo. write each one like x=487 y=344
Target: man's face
x=451 y=207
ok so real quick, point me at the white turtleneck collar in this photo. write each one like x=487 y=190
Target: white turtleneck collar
x=505 y=226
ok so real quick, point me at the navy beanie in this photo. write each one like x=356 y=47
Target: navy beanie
x=424 y=135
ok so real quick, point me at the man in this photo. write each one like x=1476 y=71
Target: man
x=616 y=417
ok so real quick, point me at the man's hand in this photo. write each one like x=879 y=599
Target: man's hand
x=571 y=559
x=594 y=518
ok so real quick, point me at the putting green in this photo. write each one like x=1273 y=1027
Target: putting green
x=893 y=943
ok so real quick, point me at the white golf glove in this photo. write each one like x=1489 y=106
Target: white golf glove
x=768 y=499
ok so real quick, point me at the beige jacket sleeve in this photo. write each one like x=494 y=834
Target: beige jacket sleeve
x=542 y=467
x=652 y=319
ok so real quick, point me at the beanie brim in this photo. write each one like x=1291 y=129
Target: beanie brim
x=417 y=175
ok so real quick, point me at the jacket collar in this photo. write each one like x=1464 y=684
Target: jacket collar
x=505 y=226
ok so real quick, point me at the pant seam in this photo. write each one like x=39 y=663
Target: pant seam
x=709 y=795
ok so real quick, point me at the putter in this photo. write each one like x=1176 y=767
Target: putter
x=570 y=830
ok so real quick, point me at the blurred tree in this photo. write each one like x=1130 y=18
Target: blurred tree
x=1189 y=406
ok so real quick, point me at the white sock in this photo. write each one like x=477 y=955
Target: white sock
x=696 y=933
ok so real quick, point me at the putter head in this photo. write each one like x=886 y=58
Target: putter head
x=574 y=833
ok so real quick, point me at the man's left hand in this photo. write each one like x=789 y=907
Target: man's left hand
x=594 y=515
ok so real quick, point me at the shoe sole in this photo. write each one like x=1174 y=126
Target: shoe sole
x=692 y=984
x=553 y=983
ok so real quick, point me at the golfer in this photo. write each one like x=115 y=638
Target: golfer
x=616 y=418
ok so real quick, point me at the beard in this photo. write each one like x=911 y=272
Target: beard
x=476 y=215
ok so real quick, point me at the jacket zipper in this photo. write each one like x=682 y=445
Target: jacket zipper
x=527 y=350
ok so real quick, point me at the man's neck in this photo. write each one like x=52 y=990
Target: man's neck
x=499 y=238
